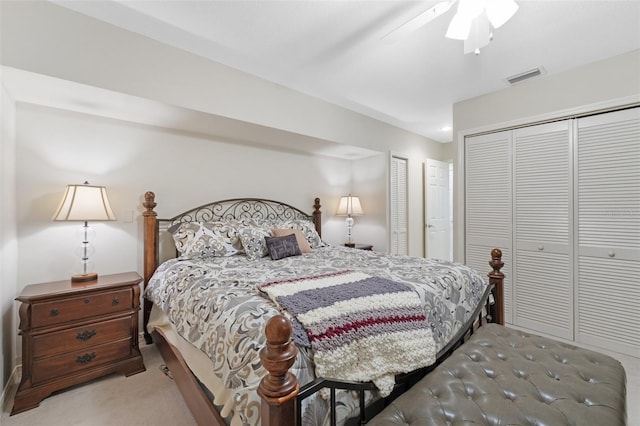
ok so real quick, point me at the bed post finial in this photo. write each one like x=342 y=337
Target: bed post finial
x=149 y=204
x=496 y=278
x=317 y=216
x=278 y=388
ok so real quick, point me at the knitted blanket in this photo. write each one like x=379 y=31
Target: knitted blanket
x=360 y=328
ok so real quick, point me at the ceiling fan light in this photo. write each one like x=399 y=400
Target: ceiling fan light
x=479 y=37
x=500 y=11
x=459 y=27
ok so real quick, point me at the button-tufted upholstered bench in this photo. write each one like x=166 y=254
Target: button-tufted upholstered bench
x=506 y=377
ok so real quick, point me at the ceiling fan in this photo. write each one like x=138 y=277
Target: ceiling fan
x=473 y=22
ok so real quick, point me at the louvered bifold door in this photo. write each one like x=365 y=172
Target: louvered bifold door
x=399 y=239
x=543 y=215
x=608 y=198
x=488 y=205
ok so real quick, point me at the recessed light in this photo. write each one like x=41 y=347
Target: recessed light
x=445 y=128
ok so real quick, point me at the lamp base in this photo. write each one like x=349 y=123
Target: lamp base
x=92 y=276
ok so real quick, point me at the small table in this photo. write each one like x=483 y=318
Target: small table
x=359 y=246
x=75 y=332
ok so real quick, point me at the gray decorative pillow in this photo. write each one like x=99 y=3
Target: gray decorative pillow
x=281 y=247
x=308 y=229
x=205 y=239
x=253 y=241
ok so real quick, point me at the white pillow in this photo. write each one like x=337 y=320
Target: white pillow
x=253 y=241
x=205 y=239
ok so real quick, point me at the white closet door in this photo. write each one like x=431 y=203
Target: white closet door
x=608 y=201
x=488 y=205
x=543 y=215
x=437 y=235
x=399 y=208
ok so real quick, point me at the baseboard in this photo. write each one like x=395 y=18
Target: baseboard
x=13 y=381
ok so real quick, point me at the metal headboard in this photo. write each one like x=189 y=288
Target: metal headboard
x=240 y=208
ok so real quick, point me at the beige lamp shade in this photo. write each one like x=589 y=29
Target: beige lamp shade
x=349 y=206
x=85 y=203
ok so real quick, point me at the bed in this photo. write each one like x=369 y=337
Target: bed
x=240 y=338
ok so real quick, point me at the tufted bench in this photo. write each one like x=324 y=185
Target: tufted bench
x=506 y=377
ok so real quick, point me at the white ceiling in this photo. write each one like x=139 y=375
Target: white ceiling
x=334 y=50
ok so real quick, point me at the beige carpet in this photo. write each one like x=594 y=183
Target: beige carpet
x=148 y=398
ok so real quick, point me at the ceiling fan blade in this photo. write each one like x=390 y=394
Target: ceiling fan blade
x=459 y=27
x=500 y=11
x=420 y=20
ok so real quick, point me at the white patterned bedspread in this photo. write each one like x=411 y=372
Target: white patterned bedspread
x=214 y=304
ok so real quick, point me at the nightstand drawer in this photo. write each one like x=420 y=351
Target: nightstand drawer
x=77 y=338
x=76 y=308
x=62 y=365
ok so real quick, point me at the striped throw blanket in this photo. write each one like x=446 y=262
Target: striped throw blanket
x=361 y=328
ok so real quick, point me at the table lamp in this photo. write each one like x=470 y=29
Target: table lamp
x=85 y=203
x=349 y=206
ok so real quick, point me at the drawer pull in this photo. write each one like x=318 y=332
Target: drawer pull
x=53 y=313
x=87 y=300
x=86 y=358
x=611 y=253
x=115 y=301
x=86 y=335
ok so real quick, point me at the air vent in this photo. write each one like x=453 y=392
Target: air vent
x=514 y=79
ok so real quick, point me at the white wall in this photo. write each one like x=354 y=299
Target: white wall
x=55 y=148
x=8 y=240
x=603 y=84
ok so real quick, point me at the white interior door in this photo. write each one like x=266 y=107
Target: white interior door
x=542 y=233
x=438 y=223
x=399 y=220
x=608 y=231
x=488 y=214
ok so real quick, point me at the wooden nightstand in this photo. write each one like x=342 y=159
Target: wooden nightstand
x=72 y=333
x=359 y=246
